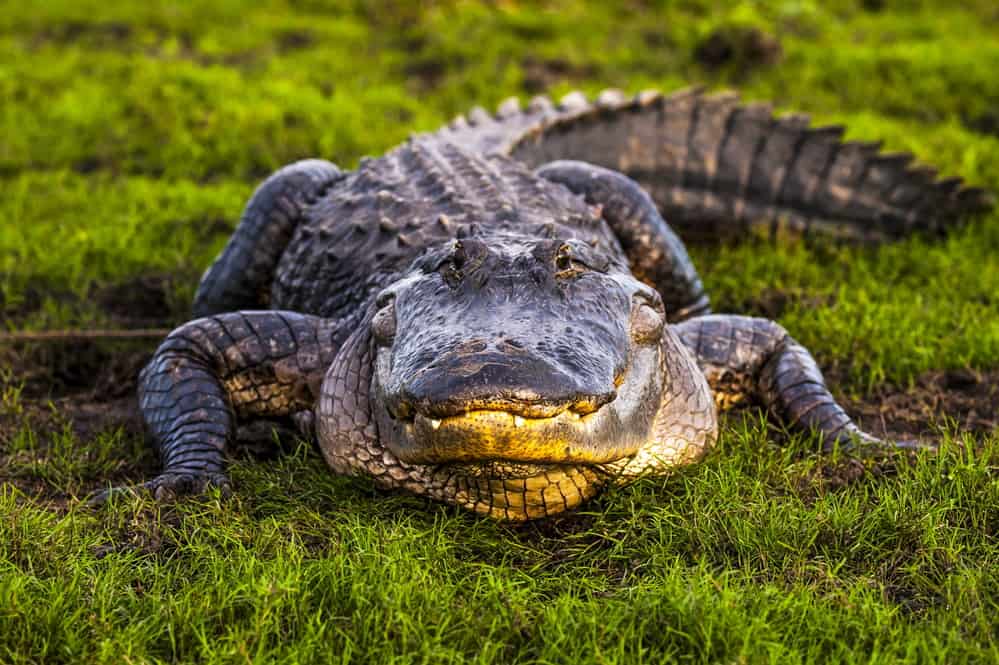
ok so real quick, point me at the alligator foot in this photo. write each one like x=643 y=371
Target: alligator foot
x=749 y=360
x=167 y=488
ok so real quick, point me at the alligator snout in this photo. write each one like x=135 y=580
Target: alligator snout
x=491 y=380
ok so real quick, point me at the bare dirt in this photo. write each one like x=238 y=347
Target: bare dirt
x=961 y=399
x=742 y=48
x=542 y=74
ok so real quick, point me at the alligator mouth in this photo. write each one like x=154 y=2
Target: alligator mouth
x=498 y=418
x=485 y=436
x=528 y=408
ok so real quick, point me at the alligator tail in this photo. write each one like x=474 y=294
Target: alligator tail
x=716 y=167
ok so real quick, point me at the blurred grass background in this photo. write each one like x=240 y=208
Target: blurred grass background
x=131 y=135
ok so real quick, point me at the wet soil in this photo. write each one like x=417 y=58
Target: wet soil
x=541 y=75
x=83 y=387
x=773 y=303
x=84 y=390
x=964 y=400
x=739 y=47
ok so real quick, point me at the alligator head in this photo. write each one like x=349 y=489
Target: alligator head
x=534 y=351
x=517 y=361
x=517 y=375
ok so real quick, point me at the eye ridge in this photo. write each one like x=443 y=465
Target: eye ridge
x=569 y=265
x=452 y=266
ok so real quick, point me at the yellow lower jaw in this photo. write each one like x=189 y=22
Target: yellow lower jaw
x=478 y=436
x=555 y=490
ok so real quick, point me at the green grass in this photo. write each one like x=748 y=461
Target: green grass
x=131 y=134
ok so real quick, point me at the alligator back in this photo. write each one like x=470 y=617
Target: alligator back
x=372 y=224
x=717 y=167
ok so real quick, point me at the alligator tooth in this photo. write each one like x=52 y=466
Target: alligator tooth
x=510 y=107
x=518 y=421
x=574 y=101
x=610 y=98
x=434 y=423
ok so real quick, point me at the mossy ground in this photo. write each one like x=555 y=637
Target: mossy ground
x=131 y=134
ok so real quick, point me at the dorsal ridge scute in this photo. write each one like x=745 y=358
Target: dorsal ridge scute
x=707 y=157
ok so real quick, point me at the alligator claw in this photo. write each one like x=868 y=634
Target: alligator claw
x=914 y=445
x=866 y=445
x=167 y=488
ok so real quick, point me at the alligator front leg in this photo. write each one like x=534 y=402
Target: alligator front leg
x=242 y=274
x=655 y=253
x=211 y=372
x=751 y=360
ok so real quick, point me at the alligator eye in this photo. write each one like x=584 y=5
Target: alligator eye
x=460 y=255
x=452 y=274
x=566 y=265
x=451 y=269
x=383 y=324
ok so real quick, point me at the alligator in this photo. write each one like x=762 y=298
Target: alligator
x=501 y=314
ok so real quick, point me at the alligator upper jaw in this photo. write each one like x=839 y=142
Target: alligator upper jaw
x=493 y=435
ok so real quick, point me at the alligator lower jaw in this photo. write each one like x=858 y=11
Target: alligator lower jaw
x=519 y=492
x=478 y=437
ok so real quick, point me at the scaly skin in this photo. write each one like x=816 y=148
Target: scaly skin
x=509 y=340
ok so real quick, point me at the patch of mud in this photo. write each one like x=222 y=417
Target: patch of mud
x=985 y=123
x=84 y=389
x=86 y=417
x=144 y=301
x=963 y=398
x=56 y=369
x=773 y=303
x=100 y=34
x=833 y=474
x=540 y=75
x=741 y=48
x=87 y=389
x=427 y=73
x=294 y=40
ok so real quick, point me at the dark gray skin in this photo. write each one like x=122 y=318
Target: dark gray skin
x=498 y=316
